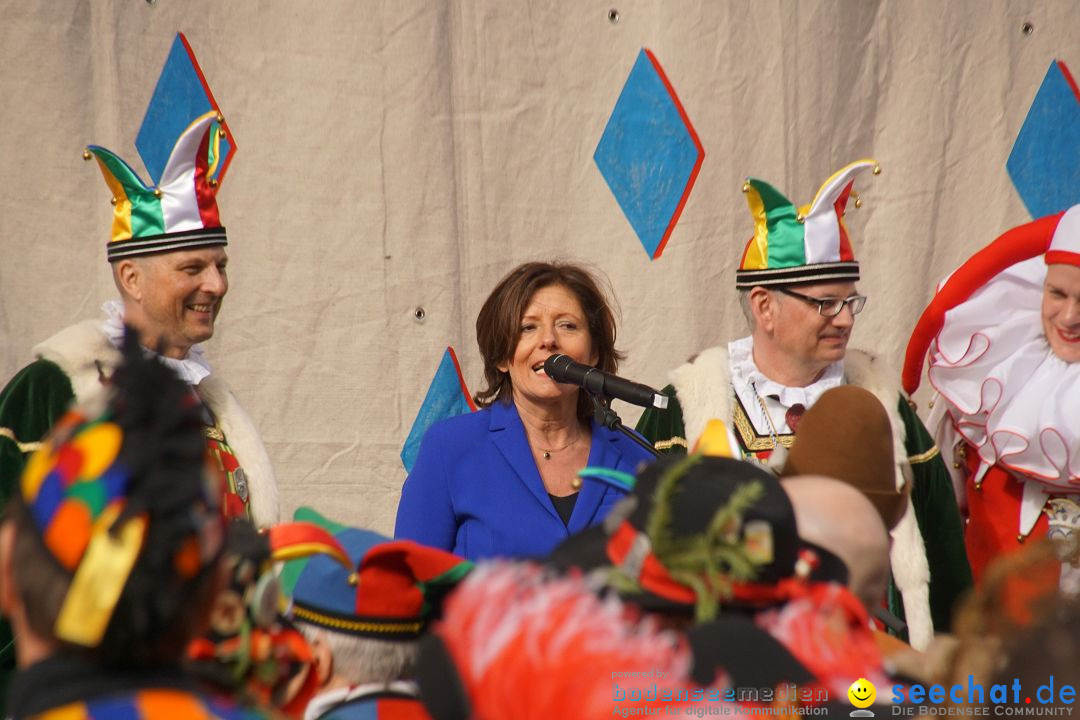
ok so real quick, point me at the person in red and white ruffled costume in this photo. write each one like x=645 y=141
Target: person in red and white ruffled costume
x=1002 y=336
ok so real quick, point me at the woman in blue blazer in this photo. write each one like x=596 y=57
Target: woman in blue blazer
x=502 y=481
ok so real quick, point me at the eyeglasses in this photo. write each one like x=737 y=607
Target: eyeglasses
x=830 y=307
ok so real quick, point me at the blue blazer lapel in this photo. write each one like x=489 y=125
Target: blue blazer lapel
x=604 y=452
x=508 y=435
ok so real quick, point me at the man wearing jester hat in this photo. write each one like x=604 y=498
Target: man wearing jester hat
x=797 y=289
x=167 y=253
x=1002 y=336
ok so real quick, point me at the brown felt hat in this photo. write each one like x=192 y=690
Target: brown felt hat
x=847 y=435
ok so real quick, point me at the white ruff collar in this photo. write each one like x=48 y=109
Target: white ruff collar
x=1009 y=395
x=191 y=369
x=741 y=352
x=323 y=702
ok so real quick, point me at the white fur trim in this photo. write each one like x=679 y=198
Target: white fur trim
x=703 y=387
x=80 y=348
x=911 y=573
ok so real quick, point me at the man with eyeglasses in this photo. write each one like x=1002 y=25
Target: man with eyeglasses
x=796 y=283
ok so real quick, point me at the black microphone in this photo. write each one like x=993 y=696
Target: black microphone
x=563 y=369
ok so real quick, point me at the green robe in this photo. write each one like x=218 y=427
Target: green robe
x=936 y=511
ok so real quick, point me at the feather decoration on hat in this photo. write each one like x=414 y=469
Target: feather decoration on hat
x=828 y=630
x=550 y=649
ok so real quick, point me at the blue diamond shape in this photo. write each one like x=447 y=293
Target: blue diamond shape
x=446 y=397
x=180 y=96
x=649 y=154
x=1045 y=160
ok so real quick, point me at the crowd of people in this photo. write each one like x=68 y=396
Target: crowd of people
x=797 y=529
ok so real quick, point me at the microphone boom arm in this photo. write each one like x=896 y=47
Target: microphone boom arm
x=607 y=417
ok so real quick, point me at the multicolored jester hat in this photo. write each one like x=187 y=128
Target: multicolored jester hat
x=187 y=148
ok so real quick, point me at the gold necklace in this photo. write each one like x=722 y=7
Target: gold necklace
x=547 y=453
x=774 y=436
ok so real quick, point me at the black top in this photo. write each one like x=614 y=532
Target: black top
x=564 y=506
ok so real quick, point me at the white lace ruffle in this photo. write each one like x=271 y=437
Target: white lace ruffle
x=1009 y=395
x=192 y=369
x=741 y=352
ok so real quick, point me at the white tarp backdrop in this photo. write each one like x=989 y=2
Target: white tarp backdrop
x=407 y=153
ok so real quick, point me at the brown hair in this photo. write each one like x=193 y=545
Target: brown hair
x=498 y=326
x=154 y=619
x=43 y=583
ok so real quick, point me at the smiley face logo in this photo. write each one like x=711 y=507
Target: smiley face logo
x=862 y=693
